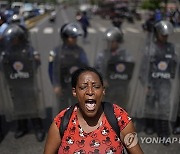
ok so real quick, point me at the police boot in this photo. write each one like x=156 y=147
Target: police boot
x=21 y=128
x=163 y=130
x=39 y=130
x=176 y=129
x=149 y=129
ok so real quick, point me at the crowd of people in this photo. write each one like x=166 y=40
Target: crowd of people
x=155 y=100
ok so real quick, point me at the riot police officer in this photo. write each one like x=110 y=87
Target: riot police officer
x=116 y=65
x=159 y=82
x=20 y=66
x=63 y=61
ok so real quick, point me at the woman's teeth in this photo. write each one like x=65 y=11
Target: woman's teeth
x=90 y=105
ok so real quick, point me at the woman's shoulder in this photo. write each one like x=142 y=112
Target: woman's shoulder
x=119 y=110
x=58 y=117
x=122 y=116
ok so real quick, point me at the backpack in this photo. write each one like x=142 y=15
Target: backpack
x=108 y=110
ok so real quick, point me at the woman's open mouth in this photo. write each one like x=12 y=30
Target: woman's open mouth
x=90 y=104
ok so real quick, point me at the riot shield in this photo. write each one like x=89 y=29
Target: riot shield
x=65 y=63
x=119 y=75
x=158 y=86
x=22 y=86
x=119 y=72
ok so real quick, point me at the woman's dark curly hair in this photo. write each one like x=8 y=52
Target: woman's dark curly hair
x=79 y=71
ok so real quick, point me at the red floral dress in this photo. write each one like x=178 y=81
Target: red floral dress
x=103 y=140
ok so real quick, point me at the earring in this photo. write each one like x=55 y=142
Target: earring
x=103 y=92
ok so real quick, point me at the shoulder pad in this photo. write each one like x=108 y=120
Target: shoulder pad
x=52 y=55
x=3 y=53
x=35 y=53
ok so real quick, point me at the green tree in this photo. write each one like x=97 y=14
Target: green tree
x=151 y=4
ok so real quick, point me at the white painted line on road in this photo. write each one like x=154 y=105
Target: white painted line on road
x=34 y=30
x=176 y=29
x=91 y=30
x=48 y=30
x=133 y=30
x=102 y=29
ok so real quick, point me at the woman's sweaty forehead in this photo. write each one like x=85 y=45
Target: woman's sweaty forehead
x=88 y=77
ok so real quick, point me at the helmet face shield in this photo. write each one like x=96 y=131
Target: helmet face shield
x=164 y=28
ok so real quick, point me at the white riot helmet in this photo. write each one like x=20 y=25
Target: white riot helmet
x=164 y=27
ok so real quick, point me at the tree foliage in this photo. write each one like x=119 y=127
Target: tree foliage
x=151 y=4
